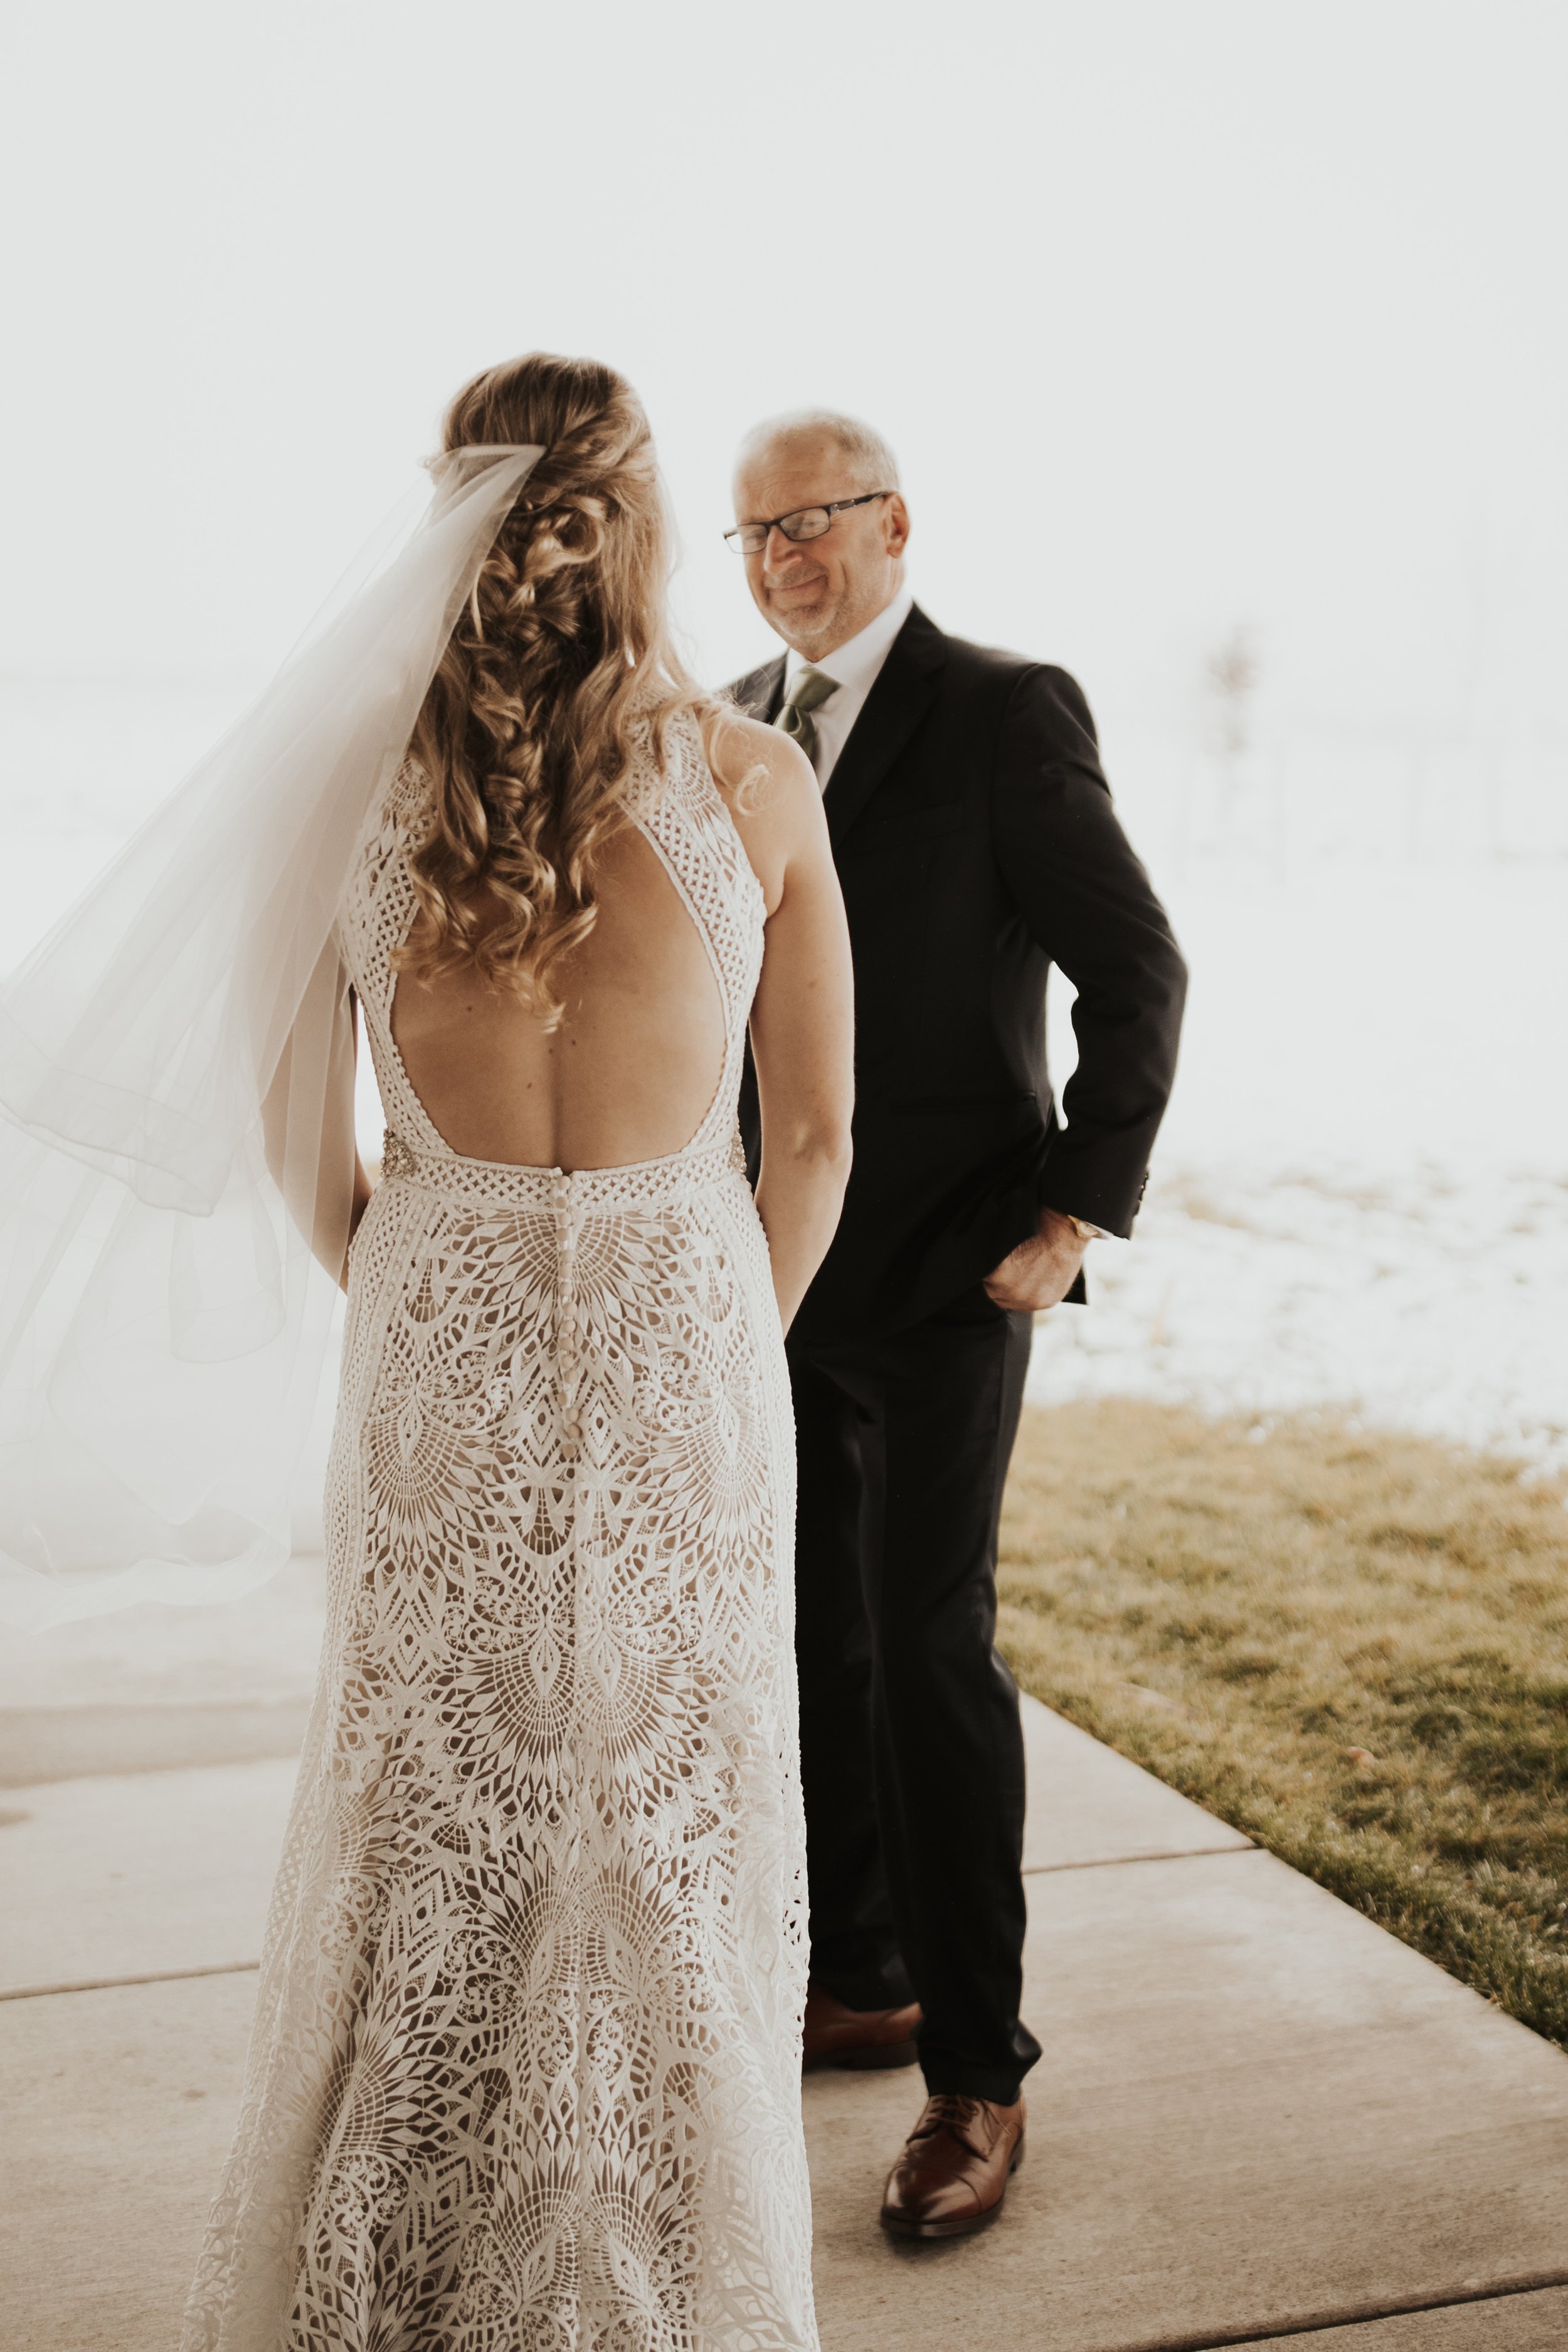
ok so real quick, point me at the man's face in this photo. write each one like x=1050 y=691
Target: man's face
x=819 y=593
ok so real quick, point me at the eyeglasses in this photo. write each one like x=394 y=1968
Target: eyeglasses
x=806 y=522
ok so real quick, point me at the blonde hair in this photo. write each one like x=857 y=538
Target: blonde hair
x=524 y=740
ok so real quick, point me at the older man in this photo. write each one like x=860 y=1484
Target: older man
x=976 y=845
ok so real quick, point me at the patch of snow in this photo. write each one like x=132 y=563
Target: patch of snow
x=1424 y=1300
x=1360 y=1197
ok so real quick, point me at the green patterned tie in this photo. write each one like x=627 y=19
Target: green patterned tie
x=809 y=692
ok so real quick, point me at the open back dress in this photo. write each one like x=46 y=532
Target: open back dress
x=525 y=2075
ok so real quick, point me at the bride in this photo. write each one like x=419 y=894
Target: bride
x=525 y=2072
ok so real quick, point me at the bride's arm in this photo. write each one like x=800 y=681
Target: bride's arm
x=803 y=1015
x=307 y=1119
x=359 y=1198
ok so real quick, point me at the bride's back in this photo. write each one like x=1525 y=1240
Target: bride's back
x=555 y=1004
x=628 y=1071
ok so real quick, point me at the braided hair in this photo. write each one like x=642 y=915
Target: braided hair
x=562 y=652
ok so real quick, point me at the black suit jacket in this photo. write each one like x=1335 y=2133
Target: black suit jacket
x=976 y=844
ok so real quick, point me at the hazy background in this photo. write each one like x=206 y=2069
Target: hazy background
x=1187 y=318
x=1224 y=344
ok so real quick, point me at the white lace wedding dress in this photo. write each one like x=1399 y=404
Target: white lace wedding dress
x=526 y=2067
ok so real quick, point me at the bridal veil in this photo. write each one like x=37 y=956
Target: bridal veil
x=176 y=1081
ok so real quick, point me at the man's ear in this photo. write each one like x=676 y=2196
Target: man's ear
x=895 y=524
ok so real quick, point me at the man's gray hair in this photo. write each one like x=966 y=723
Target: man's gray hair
x=874 y=465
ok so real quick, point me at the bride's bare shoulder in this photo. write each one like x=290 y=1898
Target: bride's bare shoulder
x=771 y=791
x=754 y=765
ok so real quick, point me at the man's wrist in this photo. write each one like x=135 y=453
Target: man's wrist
x=1080 y=1226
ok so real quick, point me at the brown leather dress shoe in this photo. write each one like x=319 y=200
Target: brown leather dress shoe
x=954 y=2173
x=836 y=2035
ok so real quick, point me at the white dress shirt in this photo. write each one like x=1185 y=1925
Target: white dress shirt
x=854 y=665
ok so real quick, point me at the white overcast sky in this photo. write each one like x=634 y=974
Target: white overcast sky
x=1181 y=313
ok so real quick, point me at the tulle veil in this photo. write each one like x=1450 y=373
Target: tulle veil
x=176 y=1116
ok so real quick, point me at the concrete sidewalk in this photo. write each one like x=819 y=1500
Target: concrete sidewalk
x=1257 y=2116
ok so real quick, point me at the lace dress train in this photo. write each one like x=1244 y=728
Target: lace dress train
x=526 y=2067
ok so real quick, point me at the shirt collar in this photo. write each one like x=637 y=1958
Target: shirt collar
x=855 y=665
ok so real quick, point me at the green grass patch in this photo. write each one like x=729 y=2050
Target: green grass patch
x=1350 y=1644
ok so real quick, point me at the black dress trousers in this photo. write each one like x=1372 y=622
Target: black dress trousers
x=911 y=1747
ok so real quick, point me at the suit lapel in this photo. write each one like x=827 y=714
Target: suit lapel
x=760 y=692
x=904 y=691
